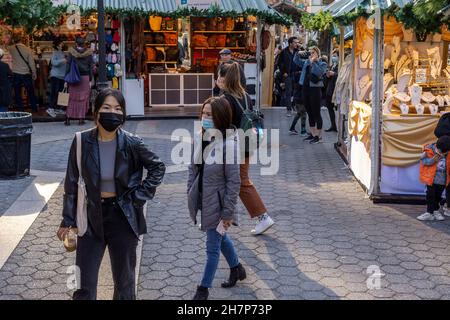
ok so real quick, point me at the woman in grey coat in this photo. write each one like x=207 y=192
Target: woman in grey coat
x=213 y=189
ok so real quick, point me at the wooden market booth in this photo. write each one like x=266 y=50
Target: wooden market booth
x=157 y=79
x=392 y=111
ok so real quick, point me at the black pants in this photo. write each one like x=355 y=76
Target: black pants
x=312 y=97
x=330 y=107
x=56 y=86
x=24 y=80
x=434 y=197
x=301 y=114
x=122 y=244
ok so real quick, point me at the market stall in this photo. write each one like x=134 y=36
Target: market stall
x=393 y=110
x=41 y=43
x=171 y=58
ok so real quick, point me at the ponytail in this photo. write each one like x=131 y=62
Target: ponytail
x=231 y=73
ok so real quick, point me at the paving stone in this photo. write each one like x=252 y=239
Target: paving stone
x=327 y=232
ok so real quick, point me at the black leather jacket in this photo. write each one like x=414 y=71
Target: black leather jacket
x=132 y=156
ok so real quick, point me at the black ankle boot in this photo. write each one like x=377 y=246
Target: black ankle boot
x=236 y=273
x=201 y=294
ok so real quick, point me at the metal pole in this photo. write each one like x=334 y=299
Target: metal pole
x=258 y=62
x=377 y=101
x=102 y=79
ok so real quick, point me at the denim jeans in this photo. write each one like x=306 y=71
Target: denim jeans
x=288 y=93
x=215 y=243
x=27 y=81
x=301 y=114
x=56 y=86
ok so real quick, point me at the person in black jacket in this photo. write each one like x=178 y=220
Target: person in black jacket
x=6 y=77
x=112 y=162
x=331 y=77
x=289 y=71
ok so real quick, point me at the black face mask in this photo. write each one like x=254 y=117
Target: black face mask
x=110 y=121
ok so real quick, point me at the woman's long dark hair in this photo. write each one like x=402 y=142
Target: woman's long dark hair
x=221 y=113
x=231 y=72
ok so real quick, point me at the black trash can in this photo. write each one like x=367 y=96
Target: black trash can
x=15 y=144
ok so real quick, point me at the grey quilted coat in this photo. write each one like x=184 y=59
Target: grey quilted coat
x=221 y=183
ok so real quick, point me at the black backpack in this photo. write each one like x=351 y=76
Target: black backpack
x=252 y=119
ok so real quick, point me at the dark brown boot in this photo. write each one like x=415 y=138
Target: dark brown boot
x=201 y=294
x=236 y=273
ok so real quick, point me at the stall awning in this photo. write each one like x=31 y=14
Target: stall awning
x=171 y=5
x=341 y=7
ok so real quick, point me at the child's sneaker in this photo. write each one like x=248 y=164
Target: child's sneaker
x=438 y=216
x=446 y=211
x=426 y=217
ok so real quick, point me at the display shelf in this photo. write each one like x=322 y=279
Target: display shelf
x=231 y=32
x=160 y=45
x=161 y=31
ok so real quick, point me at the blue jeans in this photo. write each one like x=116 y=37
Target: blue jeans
x=215 y=243
x=27 y=81
x=288 y=93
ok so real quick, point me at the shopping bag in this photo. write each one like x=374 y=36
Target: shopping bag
x=63 y=97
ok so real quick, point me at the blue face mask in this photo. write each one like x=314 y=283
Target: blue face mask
x=207 y=124
x=334 y=59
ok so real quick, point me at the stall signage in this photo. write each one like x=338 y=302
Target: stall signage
x=198 y=4
x=421 y=76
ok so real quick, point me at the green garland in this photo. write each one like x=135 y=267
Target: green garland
x=212 y=12
x=351 y=17
x=321 y=21
x=32 y=15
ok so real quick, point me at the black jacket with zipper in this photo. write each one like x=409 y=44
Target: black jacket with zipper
x=5 y=84
x=132 y=156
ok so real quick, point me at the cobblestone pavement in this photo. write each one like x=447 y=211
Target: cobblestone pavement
x=10 y=190
x=327 y=234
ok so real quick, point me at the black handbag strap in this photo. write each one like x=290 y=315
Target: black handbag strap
x=21 y=55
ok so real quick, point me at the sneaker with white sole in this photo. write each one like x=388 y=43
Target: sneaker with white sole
x=293 y=132
x=426 y=217
x=446 y=211
x=264 y=223
x=438 y=216
x=51 y=112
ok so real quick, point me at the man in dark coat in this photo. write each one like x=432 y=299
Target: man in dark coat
x=5 y=84
x=289 y=70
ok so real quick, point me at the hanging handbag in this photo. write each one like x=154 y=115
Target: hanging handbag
x=63 y=97
x=73 y=77
x=82 y=221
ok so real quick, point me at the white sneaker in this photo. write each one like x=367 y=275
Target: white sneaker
x=51 y=112
x=446 y=211
x=264 y=223
x=426 y=217
x=438 y=216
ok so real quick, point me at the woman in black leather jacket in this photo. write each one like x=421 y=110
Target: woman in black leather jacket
x=112 y=162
